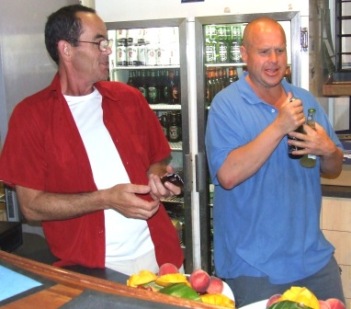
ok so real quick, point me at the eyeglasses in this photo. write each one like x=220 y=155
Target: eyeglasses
x=103 y=44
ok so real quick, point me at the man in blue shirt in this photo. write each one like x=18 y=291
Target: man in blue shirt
x=267 y=235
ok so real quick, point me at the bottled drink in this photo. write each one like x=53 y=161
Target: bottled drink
x=174 y=131
x=292 y=148
x=142 y=86
x=121 y=52
x=210 y=44
x=175 y=89
x=164 y=125
x=233 y=75
x=209 y=86
x=234 y=52
x=132 y=78
x=141 y=52
x=132 y=54
x=152 y=89
x=309 y=160
x=166 y=86
x=222 y=47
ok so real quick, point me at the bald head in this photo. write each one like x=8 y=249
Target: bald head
x=259 y=26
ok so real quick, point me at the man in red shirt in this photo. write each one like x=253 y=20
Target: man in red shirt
x=86 y=157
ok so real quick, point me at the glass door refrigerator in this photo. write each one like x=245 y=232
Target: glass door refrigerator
x=147 y=55
x=218 y=63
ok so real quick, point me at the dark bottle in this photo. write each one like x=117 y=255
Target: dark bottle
x=175 y=89
x=209 y=86
x=309 y=160
x=164 y=124
x=152 y=89
x=142 y=86
x=174 y=131
x=132 y=78
x=167 y=84
x=179 y=122
x=233 y=75
x=292 y=148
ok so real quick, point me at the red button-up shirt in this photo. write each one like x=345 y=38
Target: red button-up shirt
x=44 y=151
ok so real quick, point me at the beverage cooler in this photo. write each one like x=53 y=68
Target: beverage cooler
x=147 y=56
x=179 y=64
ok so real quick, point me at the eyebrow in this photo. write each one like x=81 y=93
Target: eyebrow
x=99 y=36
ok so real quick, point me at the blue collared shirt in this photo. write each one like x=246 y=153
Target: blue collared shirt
x=269 y=224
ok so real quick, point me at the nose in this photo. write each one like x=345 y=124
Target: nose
x=109 y=50
x=274 y=56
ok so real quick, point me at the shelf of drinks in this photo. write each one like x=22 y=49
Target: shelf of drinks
x=145 y=67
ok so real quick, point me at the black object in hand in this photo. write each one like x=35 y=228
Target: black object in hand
x=174 y=179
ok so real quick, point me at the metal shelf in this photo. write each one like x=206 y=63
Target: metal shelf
x=178 y=146
x=145 y=67
x=165 y=107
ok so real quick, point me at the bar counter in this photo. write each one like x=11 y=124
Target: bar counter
x=64 y=288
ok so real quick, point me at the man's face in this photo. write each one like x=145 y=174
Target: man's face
x=89 y=62
x=266 y=55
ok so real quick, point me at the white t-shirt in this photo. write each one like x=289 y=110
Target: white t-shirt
x=125 y=238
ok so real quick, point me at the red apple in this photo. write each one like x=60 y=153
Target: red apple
x=335 y=303
x=199 y=280
x=273 y=299
x=216 y=286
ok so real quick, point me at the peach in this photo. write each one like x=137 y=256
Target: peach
x=199 y=280
x=273 y=299
x=335 y=303
x=215 y=286
x=167 y=268
x=323 y=304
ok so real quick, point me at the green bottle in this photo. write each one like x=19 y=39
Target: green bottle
x=309 y=160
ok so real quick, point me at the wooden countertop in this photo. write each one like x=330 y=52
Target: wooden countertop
x=67 y=285
x=337 y=89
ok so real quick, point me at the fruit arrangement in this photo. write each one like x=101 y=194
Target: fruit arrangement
x=199 y=286
x=301 y=298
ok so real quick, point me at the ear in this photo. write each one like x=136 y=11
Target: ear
x=64 y=49
x=243 y=52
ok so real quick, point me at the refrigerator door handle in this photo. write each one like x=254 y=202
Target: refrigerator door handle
x=187 y=172
x=200 y=172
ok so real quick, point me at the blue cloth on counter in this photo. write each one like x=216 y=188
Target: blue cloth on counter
x=13 y=283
